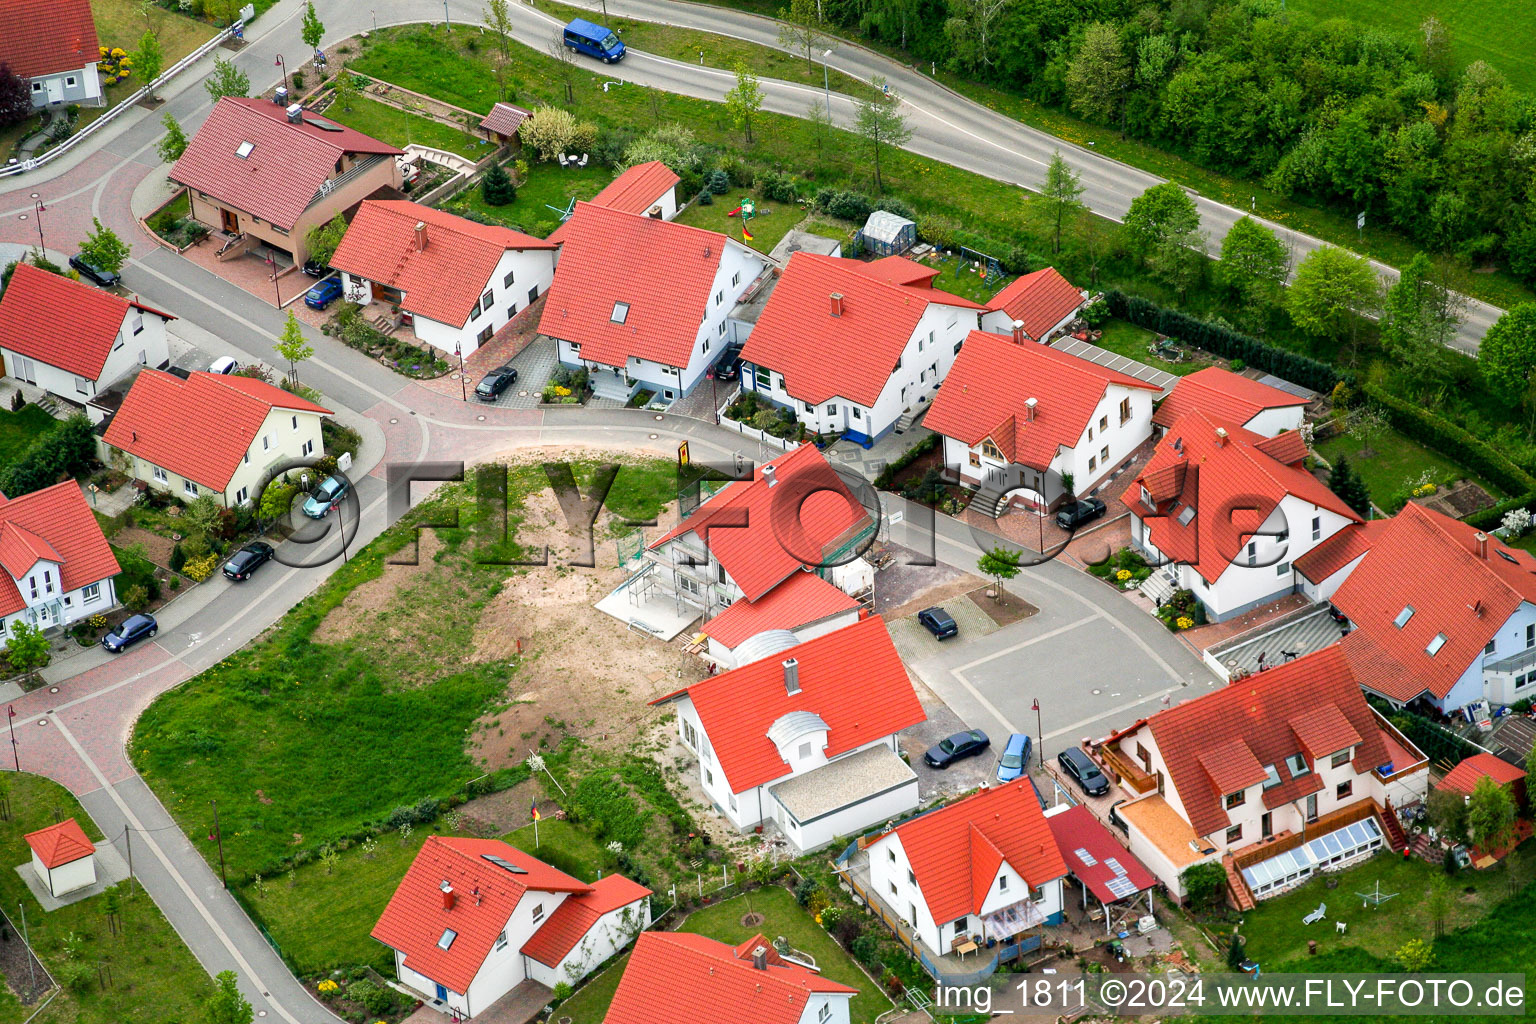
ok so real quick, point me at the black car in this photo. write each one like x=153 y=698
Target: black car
x=495 y=382
x=1114 y=815
x=938 y=622
x=247 y=560
x=129 y=632
x=314 y=268
x=729 y=365
x=105 y=278
x=956 y=748
x=1075 y=513
x=1083 y=771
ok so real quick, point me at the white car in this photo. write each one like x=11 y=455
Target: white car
x=223 y=364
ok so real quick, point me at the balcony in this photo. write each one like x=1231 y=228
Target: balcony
x=1130 y=774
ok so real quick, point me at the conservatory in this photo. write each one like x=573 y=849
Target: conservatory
x=1275 y=875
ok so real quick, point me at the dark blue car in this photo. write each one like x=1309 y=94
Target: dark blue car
x=323 y=294
x=129 y=632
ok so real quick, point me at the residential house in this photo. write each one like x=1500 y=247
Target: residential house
x=648 y=189
x=52 y=45
x=679 y=976
x=984 y=868
x=264 y=174
x=503 y=123
x=642 y=302
x=460 y=281
x=855 y=348
x=1470 y=771
x=805 y=737
x=1231 y=397
x=63 y=857
x=1034 y=425
x=58 y=565
x=244 y=427
x=1276 y=775
x=804 y=604
x=1034 y=307
x=73 y=340
x=1227 y=513
x=474 y=919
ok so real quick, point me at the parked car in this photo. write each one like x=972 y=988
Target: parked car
x=1015 y=759
x=224 y=365
x=247 y=560
x=593 y=40
x=938 y=622
x=325 y=497
x=314 y=268
x=495 y=382
x=1078 y=513
x=1081 y=770
x=105 y=278
x=323 y=294
x=129 y=632
x=1114 y=815
x=729 y=365
x=956 y=748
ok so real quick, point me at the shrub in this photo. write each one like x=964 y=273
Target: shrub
x=718 y=182
x=1204 y=884
x=203 y=567
x=806 y=890
x=897 y=206
x=854 y=206
x=778 y=186
x=938 y=232
x=136 y=598
x=137 y=571
x=376 y=999
x=561 y=991
x=178 y=558
x=67 y=449
x=583 y=137
x=548 y=132
x=866 y=949
x=497 y=187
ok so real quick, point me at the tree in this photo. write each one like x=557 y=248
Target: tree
x=1507 y=357
x=1346 y=483
x=226 y=80
x=1332 y=291
x=292 y=346
x=1099 y=73
x=346 y=88
x=821 y=124
x=880 y=123
x=565 y=61
x=227 y=1005
x=1254 y=263
x=1420 y=316
x=497 y=187
x=174 y=142
x=148 y=60
x=1062 y=191
x=969 y=32
x=1446 y=811
x=1439 y=903
x=1095 y=238
x=1530 y=776
x=311 y=29
x=1490 y=815
x=1161 y=212
x=498 y=15
x=27 y=649
x=1365 y=423
x=1204 y=884
x=103 y=249
x=800 y=30
x=322 y=240
x=1001 y=564
x=744 y=100
x=15 y=97
x=1414 y=955
x=1235 y=955
x=202 y=516
x=548 y=131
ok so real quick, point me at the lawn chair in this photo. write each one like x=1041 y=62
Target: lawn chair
x=563 y=161
x=1316 y=915
x=583 y=161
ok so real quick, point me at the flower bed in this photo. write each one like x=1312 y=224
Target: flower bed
x=565 y=387
x=771 y=419
x=1182 y=611
x=173 y=224
x=1125 y=569
x=400 y=356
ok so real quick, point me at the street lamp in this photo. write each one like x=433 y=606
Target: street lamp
x=447 y=25
x=826 y=82
x=279 y=64
x=37 y=210
x=1039 y=732
x=458 y=350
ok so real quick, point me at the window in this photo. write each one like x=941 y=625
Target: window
x=1271 y=777
x=90 y=593
x=891 y=855
x=533 y=293
x=1433 y=647
x=307 y=447
x=805 y=751
x=1104 y=454
x=721 y=330
x=1236 y=799
x=447 y=940
x=485 y=334
x=512 y=311
x=709 y=778
x=1125 y=410
x=70 y=81
x=1317 y=527
x=911 y=878
x=1093 y=464
x=1298 y=765
x=690 y=735
x=620 y=312
x=1282 y=568
x=69 y=602
x=1406 y=614
x=733 y=801
x=991 y=450
x=1340 y=759
x=266 y=441
x=538 y=913
x=117 y=342
x=242 y=494
x=506 y=282
x=1253 y=553
x=736 y=279
x=975 y=459
x=893 y=888
x=82 y=385
x=1493 y=645
x=1186 y=515
x=1506 y=556
x=1343 y=789
x=957 y=348
x=824 y=1014
x=765 y=380
x=48 y=581
x=295 y=420
x=857 y=412
x=38 y=87
x=1146 y=498
x=1090 y=433
x=1530 y=636
x=487 y=299
x=138 y=323
x=719 y=297
x=160 y=476
x=1234 y=834
x=189 y=487
x=832 y=409
x=1103 y=424
x=1002 y=881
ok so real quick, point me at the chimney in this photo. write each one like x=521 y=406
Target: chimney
x=1481 y=540
x=1029 y=409
x=421 y=236
x=791 y=676
x=448 y=896
x=1019 y=337
x=295 y=114
x=655 y=213
x=837 y=303
x=1221 y=437
x=760 y=958
x=768 y=474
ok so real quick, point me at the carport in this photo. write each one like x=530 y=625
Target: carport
x=1100 y=865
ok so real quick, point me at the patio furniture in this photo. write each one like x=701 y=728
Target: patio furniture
x=962 y=948
x=583 y=161
x=1316 y=915
x=563 y=161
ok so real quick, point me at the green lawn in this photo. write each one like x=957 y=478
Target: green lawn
x=1394 y=462
x=121 y=23
x=155 y=977
x=548 y=185
x=11 y=135
x=771 y=222
x=1131 y=341
x=20 y=429
x=590 y=1003
x=960 y=278
x=399 y=128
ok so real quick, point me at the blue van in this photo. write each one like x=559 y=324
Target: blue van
x=593 y=40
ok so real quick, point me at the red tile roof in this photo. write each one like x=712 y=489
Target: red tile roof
x=1223 y=395
x=1429 y=561
x=1271 y=715
x=576 y=915
x=800 y=600
x=442 y=281
x=852 y=678
x=485 y=894
x=796 y=333
x=984 y=395
x=505 y=119
x=161 y=412
x=663 y=270
x=1231 y=766
x=1191 y=466
x=956 y=851
x=1042 y=300
x=284 y=171
x=40 y=37
x=637 y=188
x=1339 y=550
x=1287 y=447
x=901 y=271
x=1077 y=829
x=762 y=532
x=679 y=976
x=62 y=322
x=55 y=519
x=60 y=844
x=1463 y=777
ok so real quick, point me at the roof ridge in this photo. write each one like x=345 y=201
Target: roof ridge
x=663 y=225
x=1424 y=516
x=845 y=264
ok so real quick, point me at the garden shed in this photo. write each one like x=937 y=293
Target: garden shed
x=63 y=857
x=886 y=234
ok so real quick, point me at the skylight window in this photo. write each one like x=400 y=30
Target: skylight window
x=1186 y=515
x=245 y=149
x=1506 y=556
x=1271 y=776
x=1403 y=616
x=1435 y=644
x=620 y=312
x=1298 y=765
x=447 y=940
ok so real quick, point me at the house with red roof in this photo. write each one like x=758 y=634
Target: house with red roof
x=263 y=175
x=804 y=604
x=1277 y=775
x=855 y=348
x=475 y=919
x=642 y=302
x=984 y=869
x=73 y=340
x=805 y=735
x=460 y=281
x=648 y=189
x=211 y=433
x=1470 y=771
x=52 y=45
x=1227 y=513
x=1035 y=307
x=1026 y=420
x=678 y=976
x=58 y=565
x=1231 y=397
x=63 y=857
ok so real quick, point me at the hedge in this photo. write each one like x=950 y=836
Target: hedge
x=1441 y=435
x=887 y=475
x=1222 y=341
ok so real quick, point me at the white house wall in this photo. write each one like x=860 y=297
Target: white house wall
x=726 y=656
x=64 y=609
x=65 y=878
x=1325 y=589
x=1271 y=422
x=1150 y=854
x=888 y=806
x=505 y=968
x=835 y=1004
x=609 y=934
x=147 y=347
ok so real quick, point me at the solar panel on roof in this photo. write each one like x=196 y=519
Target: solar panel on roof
x=1121 y=887
x=502 y=862
x=1114 y=865
x=1084 y=856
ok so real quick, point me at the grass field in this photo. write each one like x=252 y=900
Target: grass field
x=399 y=128
x=20 y=429
x=590 y=1003
x=1131 y=341
x=121 y=23
x=548 y=185
x=1394 y=462
x=154 y=976
x=770 y=224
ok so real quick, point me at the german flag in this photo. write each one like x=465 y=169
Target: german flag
x=745 y=234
